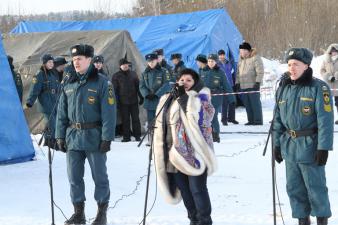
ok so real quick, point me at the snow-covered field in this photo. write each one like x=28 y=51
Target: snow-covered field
x=240 y=191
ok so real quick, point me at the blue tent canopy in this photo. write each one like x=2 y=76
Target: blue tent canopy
x=187 y=33
x=15 y=141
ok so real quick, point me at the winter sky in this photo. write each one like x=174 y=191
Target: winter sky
x=24 y=7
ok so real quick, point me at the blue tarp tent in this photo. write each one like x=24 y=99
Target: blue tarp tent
x=15 y=141
x=187 y=33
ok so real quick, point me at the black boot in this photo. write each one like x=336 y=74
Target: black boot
x=79 y=216
x=321 y=220
x=193 y=217
x=304 y=221
x=215 y=137
x=101 y=216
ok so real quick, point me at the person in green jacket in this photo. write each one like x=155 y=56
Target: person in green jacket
x=214 y=78
x=85 y=127
x=44 y=88
x=16 y=77
x=303 y=137
x=201 y=61
x=153 y=85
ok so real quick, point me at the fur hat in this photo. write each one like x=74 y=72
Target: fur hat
x=191 y=72
x=58 y=61
x=213 y=57
x=202 y=58
x=46 y=57
x=302 y=54
x=98 y=58
x=176 y=56
x=158 y=51
x=82 y=49
x=151 y=56
x=245 y=45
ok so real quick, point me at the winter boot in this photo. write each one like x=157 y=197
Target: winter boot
x=215 y=137
x=321 y=221
x=192 y=215
x=79 y=216
x=101 y=216
x=304 y=221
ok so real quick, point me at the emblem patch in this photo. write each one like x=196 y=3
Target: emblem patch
x=91 y=100
x=216 y=81
x=111 y=100
x=34 y=80
x=326 y=97
x=306 y=110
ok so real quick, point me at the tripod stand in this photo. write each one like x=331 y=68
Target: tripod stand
x=150 y=132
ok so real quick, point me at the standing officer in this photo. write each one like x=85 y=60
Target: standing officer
x=161 y=60
x=303 y=136
x=216 y=81
x=16 y=77
x=228 y=109
x=126 y=86
x=45 y=86
x=85 y=128
x=153 y=85
x=176 y=59
x=98 y=61
x=249 y=76
x=59 y=65
x=202 y=62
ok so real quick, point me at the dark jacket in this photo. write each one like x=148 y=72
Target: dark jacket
x=177 y=69
x=86 y=99
x=17 y=81
x=126 y=86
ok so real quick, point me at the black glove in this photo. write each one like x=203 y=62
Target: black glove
x=237 y=87
x=141 y=101
x=278 y=154
x=321 y=157
x=257 y=86
x=179 y=91
x=151 y=96
x=105 y=146
x=61 y=144
x=332 y=79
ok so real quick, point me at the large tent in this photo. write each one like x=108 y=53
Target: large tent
x=15 y=141
x=187 y=33
x=27 y=50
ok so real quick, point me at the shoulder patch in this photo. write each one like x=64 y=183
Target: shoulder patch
x=34 y=80
x=111 y=100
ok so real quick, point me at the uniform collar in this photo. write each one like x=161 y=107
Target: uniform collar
x=304 y=80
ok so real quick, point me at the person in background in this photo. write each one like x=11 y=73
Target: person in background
x=202 y=61
x=228 y=109
x=183 y=147
x=16 y=77
x=59 y=65
x=176 y=60
x=249 y=76
x=329 y=71
x=303 y=137
x=126 y=86
x=163 y=63
x=44 y=88
x=98 y=62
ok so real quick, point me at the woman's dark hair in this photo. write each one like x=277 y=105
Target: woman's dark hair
x=190 y=72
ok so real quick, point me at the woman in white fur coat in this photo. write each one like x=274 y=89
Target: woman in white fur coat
x=183 y=146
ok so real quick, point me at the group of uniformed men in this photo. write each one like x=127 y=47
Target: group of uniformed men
x=83 y=125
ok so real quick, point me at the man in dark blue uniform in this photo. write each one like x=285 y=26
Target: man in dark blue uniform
x=163 y=63
x=44 y=88
x=85 y=128
x=303 y=137
x=176 y=59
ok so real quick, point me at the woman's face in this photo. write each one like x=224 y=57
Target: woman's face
x=187 y=81
x=211 y=63
x=49 y=64
x=296 y=68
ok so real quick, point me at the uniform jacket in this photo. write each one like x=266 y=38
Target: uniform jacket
x=216 y=81
x=153 y=81
x=126 y=86
x=249 y=71
x=18 y=82
x=301 y=105
x=45 y=86
x=177 y=69
x=191 y=151
x=86 y=100
x=329 y=69
x=165 y=65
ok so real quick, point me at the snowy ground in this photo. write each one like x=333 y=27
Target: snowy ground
x=240 y=190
